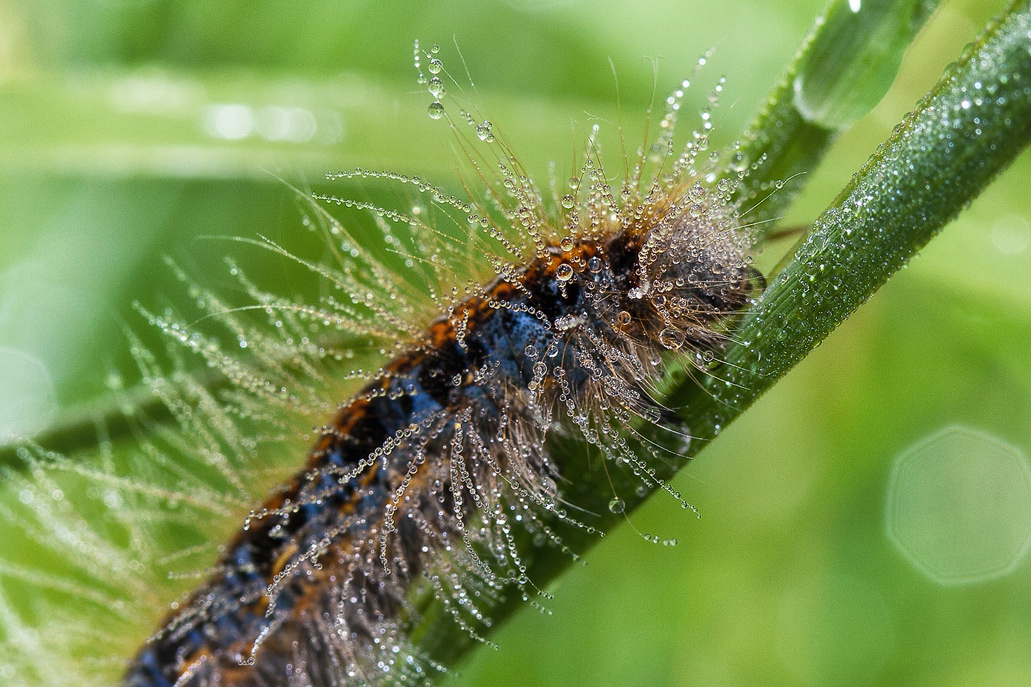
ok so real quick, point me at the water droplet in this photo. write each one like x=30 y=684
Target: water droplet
x=436 y=87
x=483 y=132
x=436 y=110
x=566 y=243
x=564 y=272
x=567 y=201
x=671 y=338
x=623 y=318
x=435 y=66
x=617 y=505
x=114 y=381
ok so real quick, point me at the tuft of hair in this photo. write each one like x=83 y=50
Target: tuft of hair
x=432 y=366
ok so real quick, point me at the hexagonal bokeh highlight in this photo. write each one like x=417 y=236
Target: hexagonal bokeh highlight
x=959 y=506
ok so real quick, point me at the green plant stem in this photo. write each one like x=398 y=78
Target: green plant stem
x=967 y=129
x=974 y=122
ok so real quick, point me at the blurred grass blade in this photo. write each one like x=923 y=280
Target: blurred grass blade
x=846 y=64
x=853 y=62
x=173 y=124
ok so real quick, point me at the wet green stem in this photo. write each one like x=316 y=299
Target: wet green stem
x=974 y=122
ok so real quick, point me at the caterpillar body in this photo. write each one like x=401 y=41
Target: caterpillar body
x=426 y=481
x=450 y=433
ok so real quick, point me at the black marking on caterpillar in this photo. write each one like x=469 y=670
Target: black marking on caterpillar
x=420 y=476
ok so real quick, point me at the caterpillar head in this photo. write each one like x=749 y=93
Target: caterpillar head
x=693 y=274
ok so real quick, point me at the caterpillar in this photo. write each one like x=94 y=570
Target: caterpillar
x=425 y=480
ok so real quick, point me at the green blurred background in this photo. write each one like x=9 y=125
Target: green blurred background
x=129 y=128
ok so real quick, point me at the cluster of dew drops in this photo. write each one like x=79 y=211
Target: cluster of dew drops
x=435 y=85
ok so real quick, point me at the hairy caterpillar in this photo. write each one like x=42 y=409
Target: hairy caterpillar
x=615 y=610
x=418 y=478
x=429 y=475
